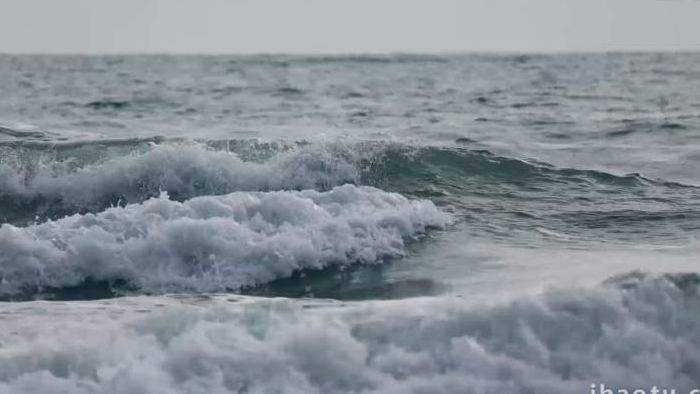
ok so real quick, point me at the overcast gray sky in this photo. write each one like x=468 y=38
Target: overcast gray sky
x=336 y=26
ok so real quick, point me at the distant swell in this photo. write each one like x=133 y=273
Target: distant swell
x=636 y=334
x=213 y=243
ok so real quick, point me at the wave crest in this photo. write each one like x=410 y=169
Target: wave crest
x=55 y=188
x=213 y=243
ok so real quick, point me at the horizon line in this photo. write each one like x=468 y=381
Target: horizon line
x=362 y=54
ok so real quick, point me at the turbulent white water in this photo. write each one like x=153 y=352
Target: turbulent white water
x=636 y=332
x=183 y=169
x=214 y=243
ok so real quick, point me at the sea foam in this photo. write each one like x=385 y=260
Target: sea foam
x=214 y=243
x=642 y=334
x=184 y=170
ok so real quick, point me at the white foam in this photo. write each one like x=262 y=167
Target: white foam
x=560 y=342
x=214 y=243
x=183 y=169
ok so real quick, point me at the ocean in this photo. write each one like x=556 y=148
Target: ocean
x=349 y=224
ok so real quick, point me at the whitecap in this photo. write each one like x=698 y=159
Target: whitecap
x=184 y=170
x=559 y=342
x=214 y=243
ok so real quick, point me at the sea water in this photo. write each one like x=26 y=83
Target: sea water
x=389 y=224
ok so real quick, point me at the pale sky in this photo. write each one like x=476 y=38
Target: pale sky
x=341 y=26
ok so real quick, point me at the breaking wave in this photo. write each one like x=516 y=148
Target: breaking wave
x=213 y=243
x=38 y=184
x=639 y=332
x=42 y=185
